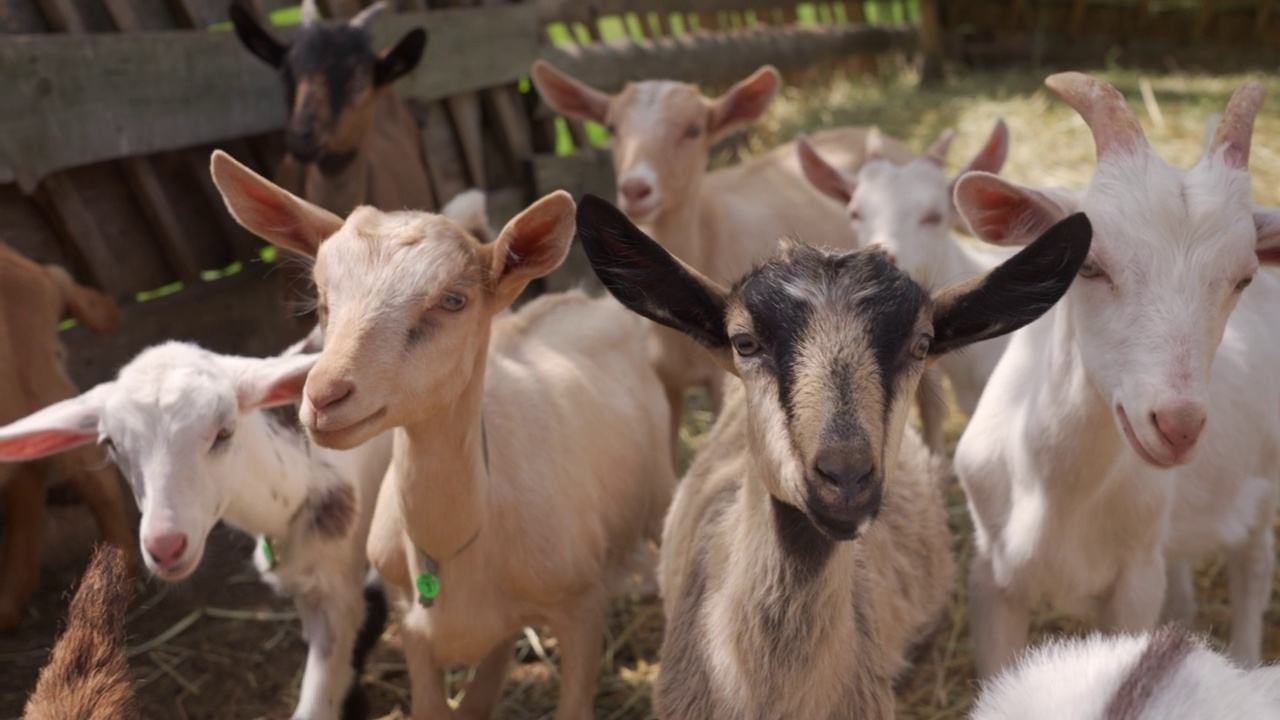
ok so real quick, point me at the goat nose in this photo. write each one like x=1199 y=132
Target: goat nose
x=1180 y=424
x=635 y=189
x=166 y=549
x=330 y=394
x=847 y=472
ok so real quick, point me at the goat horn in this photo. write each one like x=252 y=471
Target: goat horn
x=1115 y=127
x=1234 y=133
x=366 y=16
x=937 y=152
x=875 y=144
x=310 y=12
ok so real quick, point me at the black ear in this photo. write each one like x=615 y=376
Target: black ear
x=648 y=279
x=401 y=59
x=258 y=40
x=1016 y=292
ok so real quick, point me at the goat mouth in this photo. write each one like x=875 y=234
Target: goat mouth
x=641 y=213
x=340 y=438
x=840 y=529
x=1135 y=443
x=181 y=571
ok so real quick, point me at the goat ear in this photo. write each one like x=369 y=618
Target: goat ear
x=1004 y=213
x=255 y=38
x=469 y=209
x=269 y=382
x=269 y=212
x=568 y=96
x=650 y=281
x=1014 y=293
x=829 y=180
x=533 y=244
x=400 y=59
x=744 y=103
x=59 y=427
x=1267 y=220
x=990 y=159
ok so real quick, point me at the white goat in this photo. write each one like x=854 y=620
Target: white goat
x=719 y=222
x=807 y=548
x=1162 y=675
x=907 y=209
x=1136 y=427
x=188 y=429
x=531 y=455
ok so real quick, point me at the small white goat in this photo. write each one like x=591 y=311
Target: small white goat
x=907 y=209
x=1162 y=675
x=807 y=548
x=1137 y=426
x=719 y=222
x=188 y=429
x=531 y=457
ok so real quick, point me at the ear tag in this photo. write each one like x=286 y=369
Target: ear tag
x=427 y=582
x=268 y=552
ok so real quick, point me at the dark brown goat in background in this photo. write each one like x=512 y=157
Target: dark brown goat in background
x=87 y=677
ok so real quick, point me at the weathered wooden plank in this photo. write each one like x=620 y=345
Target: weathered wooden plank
x=588 y=10
x=155 y=204
x=70 y=101
x=930 y=43
x=243 y=245
x=465 y=111
x=717 y=58
x=240 y=314
x=445 y=165
x=27 y=231
x=505 y=105
x=584 y=172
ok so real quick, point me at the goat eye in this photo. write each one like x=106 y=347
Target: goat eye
x=1244 y=283
x=224 y=434
x=920 y=348
x=693 y=131
x=932 y=219
x=855 y=215
x=745 y=345
x=453 y=302
x=1091 y=269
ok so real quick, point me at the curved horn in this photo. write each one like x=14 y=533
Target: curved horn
x=1115 y=127
x=1234 y=133
x=366 y=16
x=310 y=12
x=937 y=152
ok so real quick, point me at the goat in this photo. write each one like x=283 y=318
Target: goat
x=88 y=671
x=531 y=458
x=33 y=299
x=1152 y=676
x=350 y=140
x=719 y=222
x=1135 y=428
x=807 y=546
x=190 y=431
x=908 y=209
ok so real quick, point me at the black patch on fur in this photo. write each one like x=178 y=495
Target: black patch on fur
x=802 y=543
x=780 y=320
x=331 y=512
x=356 y=704
x=421 y=330
x=340 y=54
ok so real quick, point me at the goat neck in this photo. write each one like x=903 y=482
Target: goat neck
x=279 y=467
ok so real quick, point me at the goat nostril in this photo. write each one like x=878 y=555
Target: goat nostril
x=635 y=190
x=1180 y=427
x=332 y=395
x=843 y=472
x=165 y=549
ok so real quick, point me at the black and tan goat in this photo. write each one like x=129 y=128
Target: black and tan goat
x=350 y=140
x=807 y=547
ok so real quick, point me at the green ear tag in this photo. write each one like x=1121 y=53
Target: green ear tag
x=428 y=587
x=268 y=552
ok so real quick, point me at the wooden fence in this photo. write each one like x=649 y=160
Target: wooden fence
x=109 y=110
x=1212 y=33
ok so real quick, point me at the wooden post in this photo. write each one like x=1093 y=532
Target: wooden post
x=1208 y=8
x=930 y=43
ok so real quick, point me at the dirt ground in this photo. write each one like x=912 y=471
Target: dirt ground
x=219 y=646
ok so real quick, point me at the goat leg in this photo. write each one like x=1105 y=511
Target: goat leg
x=1249 y=570
x=486 y=687
x=998 y=621
x=426 y=676
x=331 y=618
x=580 y=631
x=1180 y=593
x=24 y=496
x=1136 y=598
x=95 y=482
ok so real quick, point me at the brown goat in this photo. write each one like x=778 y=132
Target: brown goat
x=33 y=298
x=87 y=677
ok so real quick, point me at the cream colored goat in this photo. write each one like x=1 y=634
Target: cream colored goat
x=807 y=548
x=531 y=458
x=719 y=222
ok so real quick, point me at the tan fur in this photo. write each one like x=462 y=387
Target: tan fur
x=33 y=299
x=88 y=677
x=719 y=222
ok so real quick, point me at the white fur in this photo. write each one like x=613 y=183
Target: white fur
x=163 y=413
x=1076 y=679
x=1064 y=506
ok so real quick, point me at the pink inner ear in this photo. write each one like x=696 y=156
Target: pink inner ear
x=39 y=444
x=284 y=391
x=1269 y=256
x=996 y=214
x=270 y=213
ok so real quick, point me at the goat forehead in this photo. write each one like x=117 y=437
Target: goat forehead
x=395 y=257
x=330 y=50
x=651 y=105
x=918 y=185
x=1149 y=214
